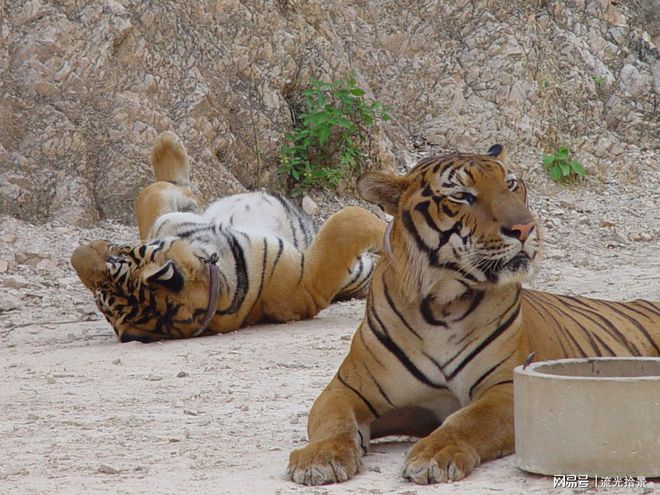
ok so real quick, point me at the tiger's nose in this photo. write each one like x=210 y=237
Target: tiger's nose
x=519 y=231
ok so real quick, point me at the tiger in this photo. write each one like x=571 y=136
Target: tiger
x=446 y=322
x=247 y=258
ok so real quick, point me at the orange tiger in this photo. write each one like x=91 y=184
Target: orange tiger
x=446 y=322
x=247 y=258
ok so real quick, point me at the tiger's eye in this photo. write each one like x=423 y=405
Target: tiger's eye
x=463 y=197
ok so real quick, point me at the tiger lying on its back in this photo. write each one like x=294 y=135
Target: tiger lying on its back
x=447 y=321
x=247 y=258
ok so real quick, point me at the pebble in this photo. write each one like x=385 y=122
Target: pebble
x=8 y=302
x=4 y=266
x=105 y=469
x=116 y=361
x=182 y=374
x=581 y=260
x=309 y=206
x=29 y=258
x=46 y=265
x=50 y=380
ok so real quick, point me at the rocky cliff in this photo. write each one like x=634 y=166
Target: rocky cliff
x=86 y=86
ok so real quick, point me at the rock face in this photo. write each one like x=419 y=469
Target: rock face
x=86 y=86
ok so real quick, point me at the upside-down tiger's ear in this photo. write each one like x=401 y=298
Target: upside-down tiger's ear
x=496 y=151
x=382 y=189
x=167 y=275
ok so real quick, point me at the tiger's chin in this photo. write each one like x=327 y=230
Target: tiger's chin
x=518 y=269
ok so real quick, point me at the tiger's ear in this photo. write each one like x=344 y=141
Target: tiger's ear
x=496 y=151
x=167 y=275
x=382 y=189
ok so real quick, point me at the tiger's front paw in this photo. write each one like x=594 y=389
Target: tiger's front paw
x=320 y=463
x=435 y=459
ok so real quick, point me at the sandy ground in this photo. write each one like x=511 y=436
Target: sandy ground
x=81 y=413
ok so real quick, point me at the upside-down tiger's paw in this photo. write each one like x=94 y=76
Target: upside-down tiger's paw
x=320 y=463
x=433 y=461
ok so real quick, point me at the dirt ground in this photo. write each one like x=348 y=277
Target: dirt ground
x=81 y=413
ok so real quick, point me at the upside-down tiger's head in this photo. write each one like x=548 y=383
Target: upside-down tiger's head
x=459 y=217
x=154 y=291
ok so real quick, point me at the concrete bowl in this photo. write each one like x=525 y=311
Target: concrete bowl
x=593 y=416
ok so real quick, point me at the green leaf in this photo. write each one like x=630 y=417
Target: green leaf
x=555 y=173
x=562 y=153
x=324 y=134
x=548 y=160
x=578 y=168
x=565 y=169
x=357 y=92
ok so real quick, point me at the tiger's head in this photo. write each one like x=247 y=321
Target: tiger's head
x=157 y=290
x=461 y=221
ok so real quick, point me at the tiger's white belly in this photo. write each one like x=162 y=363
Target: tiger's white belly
x=255 y=213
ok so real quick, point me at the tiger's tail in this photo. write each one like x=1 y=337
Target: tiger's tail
x=169 y=159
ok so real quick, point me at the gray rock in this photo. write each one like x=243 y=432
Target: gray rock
x=87 y=86
x=309 y=206
x=8 y=302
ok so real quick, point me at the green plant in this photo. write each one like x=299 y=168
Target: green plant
x=330 y=134
x=599 y=80
x=560 y=167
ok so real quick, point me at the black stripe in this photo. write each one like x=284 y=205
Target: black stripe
x=363 y=446
x=364 y=399
x=485 y=375
x=356 y=275
x=450 y=265
x=604 y=345
x=427 y=312
x=388 y=297
x=287 y=207
x=242 y=280
x=475 y=302
x=602 y=322
x=302 y=268
x=412 y=230
x=640 y=327
x=280 y=248
x=498 y=331
x=649 y=305
x=436 y=363
x=545 y=307
x=448 y=211
x=391 y=346
x=264 y=263
x=364 y=343
x=380 y=388
x=543 y=313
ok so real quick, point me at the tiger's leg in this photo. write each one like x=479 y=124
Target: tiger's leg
x=338 y=434
x=171 y=193
x=481 y=431
x=356 y=285
x=340 y=242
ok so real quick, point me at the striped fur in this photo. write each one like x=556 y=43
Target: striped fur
x=446 y=322
x=274 y=264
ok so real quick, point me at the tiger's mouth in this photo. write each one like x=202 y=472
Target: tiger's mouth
x=519 y=266
x=518 y=262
